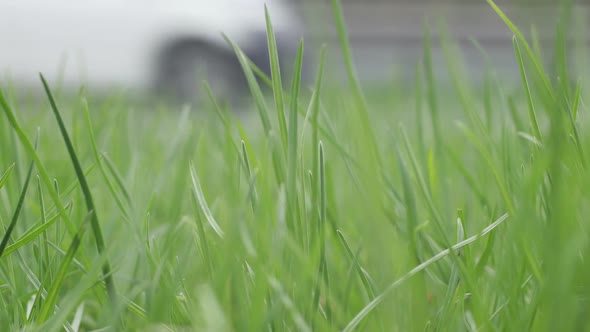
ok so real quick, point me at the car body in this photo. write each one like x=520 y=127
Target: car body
x=136 y=44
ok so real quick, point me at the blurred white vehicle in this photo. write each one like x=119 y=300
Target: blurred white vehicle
x=139 y=44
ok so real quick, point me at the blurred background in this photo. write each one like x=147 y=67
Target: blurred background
x=145 y=44
x=388 y=34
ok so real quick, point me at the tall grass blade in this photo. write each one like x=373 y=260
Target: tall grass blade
x=277 y=157
x=537 y=64
x=347 y=54
x=315 y=135
x=432 y=97
x=354 y=82
x=321 y=226
x=292 y=148
x=419 y=106
x=94 y=223
x=527 y=90
x=411 y=209
x=44 y=239
x=277 y=85
x=254 y=87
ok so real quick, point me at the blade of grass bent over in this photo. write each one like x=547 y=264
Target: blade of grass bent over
x=354 y=82
x=96 y=230
x=31 y=234
x=373 y=304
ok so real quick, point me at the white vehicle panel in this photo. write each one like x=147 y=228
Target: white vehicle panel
x=107 y=42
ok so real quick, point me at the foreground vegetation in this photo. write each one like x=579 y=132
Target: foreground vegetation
x=323 y=214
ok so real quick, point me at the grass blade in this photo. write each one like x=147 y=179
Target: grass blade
x=322 y=268
x=6 y=174
x=254 y=87
x=576 y=103
x=19 y=205
x=287 y=302
x=53 y=292
x=277 y=157
x=528 y=50
x=354 y=82
x=98 y=161
x=250 y=174
x=204 y=246
x=96 y=230
x=293 y=213
x=198 y=191
x=44 y=239
x=277 y=85
x=432 y=97
x=572 y=113
x=31 y=234
x=42 y=171
x=118 y=179
x=527 y=90
x=362 y=273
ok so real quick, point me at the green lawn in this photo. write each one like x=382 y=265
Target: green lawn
x=332 y=210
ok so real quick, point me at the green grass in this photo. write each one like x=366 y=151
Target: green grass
x=316 y=211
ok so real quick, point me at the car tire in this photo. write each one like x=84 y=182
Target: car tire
x=185 y=66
